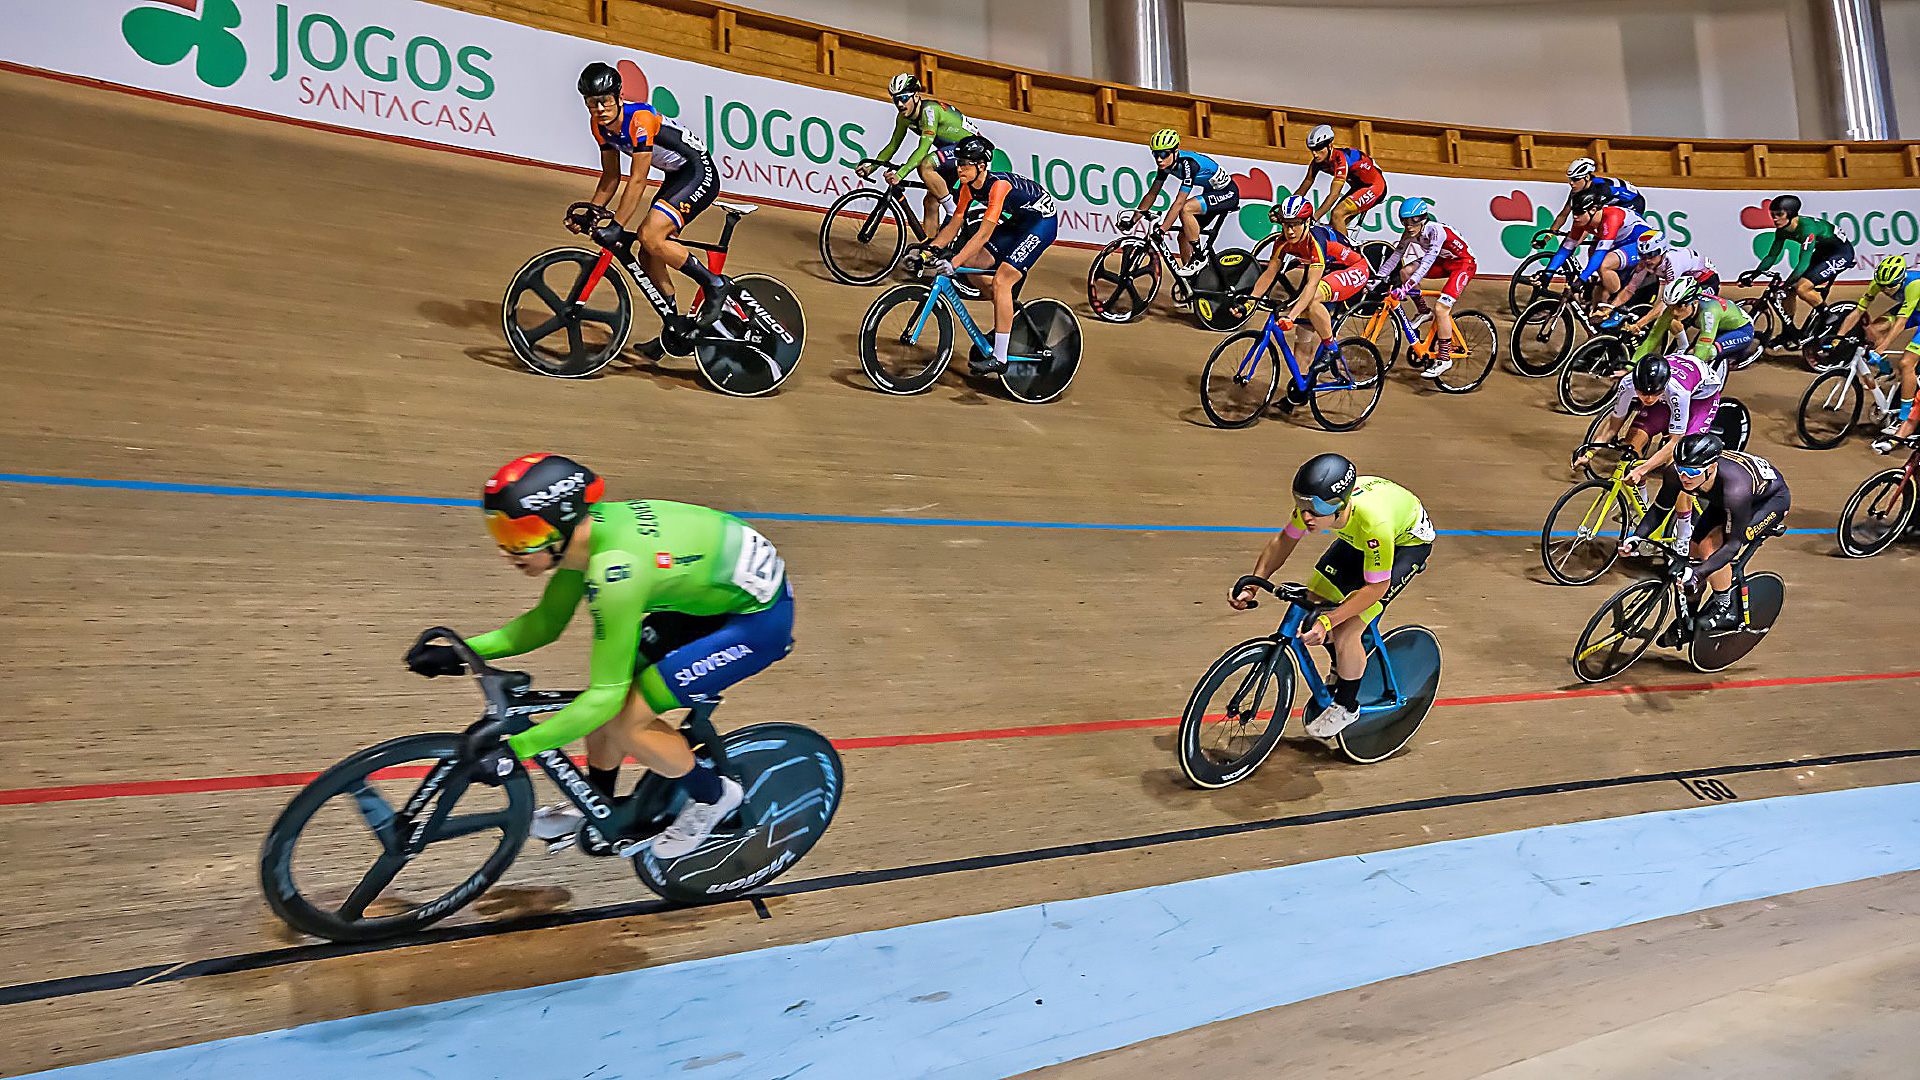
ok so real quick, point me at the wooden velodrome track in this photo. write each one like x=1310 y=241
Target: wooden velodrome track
x=196 y=298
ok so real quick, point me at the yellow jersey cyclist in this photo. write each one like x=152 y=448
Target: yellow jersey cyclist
x=940 y=127
x=1382 y=538
x=1828 y=255
x=1018 y=226
x=1206 y=193
x=1894 y=279
x=686 y=601
x=688 y=184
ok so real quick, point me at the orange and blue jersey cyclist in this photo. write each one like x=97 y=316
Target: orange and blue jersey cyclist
x=1335 y=272
x=1366 y=184
x=1018 y=225
x=1428 y=249
x=688 y=185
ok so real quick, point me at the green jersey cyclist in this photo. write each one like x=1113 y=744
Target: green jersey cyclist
x=1894 y=279
x=686 y=601
x=1827 y=256
x=1721 y=333
x=1382 y=538
x=939 y=126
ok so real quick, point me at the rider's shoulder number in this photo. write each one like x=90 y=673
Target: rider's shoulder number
x=759 y=569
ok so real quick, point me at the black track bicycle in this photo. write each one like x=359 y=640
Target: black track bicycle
x=1663 y=611
x=396 y=837
x=864 y=236
x=1880 y=511
x=1815 y=339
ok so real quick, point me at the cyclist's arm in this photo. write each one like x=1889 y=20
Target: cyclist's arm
x=634 y=195
x=1309 y=288
x=1434 y=237
x=541 y=626
x=1336 y=175
x=996 y=197
x=899 y=132
x=618 y=602
x=929 y=120
x=1736 y=490
x=1656 y=333
x=1278 y=550
x=1152 y=192
x=1603 y=242
x=609 y=175
x=1773 y=253
x=950 y=231
x=1567 y=243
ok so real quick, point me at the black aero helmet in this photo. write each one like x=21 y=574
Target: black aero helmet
x=534 y=502
x=974 y=150
x=1785 y=204
x=599 y=80
x=1587 y=200
x=1698 y=451
x=1325 y=482
x=1650 y=375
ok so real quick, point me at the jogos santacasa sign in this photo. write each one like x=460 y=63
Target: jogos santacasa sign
x=417 y=71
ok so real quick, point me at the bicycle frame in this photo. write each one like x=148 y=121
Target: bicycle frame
x=1880 y=387
x=943 y=292
x=1423 y=346
x=1317 y=689
x=1272 y=335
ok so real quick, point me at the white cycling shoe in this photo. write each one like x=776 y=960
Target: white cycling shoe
x=552 y=823
x=1438 y=369
x=1331 y=721
x=696 y=821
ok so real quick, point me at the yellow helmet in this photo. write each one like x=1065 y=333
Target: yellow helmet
x=1890 y=271
x=1163 y=140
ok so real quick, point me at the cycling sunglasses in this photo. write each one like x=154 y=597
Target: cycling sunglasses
x=1691 y=474
x=1317 y=506
x=520 y=536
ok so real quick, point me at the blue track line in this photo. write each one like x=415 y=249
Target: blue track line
x=750 y=515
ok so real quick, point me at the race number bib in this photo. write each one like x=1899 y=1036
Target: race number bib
x=759 y=570
x=1423 y=528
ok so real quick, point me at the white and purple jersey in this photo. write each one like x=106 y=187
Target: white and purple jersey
x=1690 y=382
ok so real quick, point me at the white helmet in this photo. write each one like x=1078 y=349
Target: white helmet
x=903 y=85
x=1319 y=137
x=1582 y=169
x=1684 y=289
x=1653 y=242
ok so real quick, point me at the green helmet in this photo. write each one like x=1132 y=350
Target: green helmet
x=1164 y=140
x=1890 y=271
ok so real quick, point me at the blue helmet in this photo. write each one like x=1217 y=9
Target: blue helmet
x=1413 y=208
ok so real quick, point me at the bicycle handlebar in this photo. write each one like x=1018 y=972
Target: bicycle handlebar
x=497 y=685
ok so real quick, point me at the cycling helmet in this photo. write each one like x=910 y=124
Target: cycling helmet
x=1586 y=201
x=1653 y=242
x=1785 y=204
x=902 y=86
x=1684 y=289
x=1291 y=208
x=973 y=150
x=1325 y=483
x=1414 y=209
x=1582 y=169
x=1319 y=137
x=534 y=502
x=599 y=80
x=1164 y=140
x=1651 y=375
x=1698 y=451
x=1890 y=271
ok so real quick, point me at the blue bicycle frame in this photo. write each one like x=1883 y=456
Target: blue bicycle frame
x=1337 y=379
x=1322 y=696
x=943 y=291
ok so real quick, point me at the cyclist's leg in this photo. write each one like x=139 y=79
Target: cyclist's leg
x=1335 y=288
x=1458 y=273
x=682 y=195
x=1338 y=573
x=1358 y=201
x=934 y=169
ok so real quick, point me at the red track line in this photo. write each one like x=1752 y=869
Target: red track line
x=80 y=792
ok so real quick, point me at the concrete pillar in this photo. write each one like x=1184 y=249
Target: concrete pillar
x=1852 y=46
x=1145 y=43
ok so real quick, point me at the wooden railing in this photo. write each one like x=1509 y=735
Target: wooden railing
x=757 y=43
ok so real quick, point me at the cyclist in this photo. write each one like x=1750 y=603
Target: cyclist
x=939 y=126
x=1584 y=175
x=1827 y=257
x=1678 y=396
x=1019 y=224
x=1742 y=500
x=1382 y=538
x=1428 y=249
x=1721 y=333
x=1613 y=231
x=686 y=601
x=1206 y=193
x=1665 y=263
x=688 y=185
x=1893 y=278
x=1366 y=184
x=1335 y=272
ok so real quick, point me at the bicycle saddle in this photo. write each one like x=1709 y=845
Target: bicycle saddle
x=735 y=209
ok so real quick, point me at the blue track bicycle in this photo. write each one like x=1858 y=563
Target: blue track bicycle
x=906 y=340
x=1221 y=742
x=1341 y=386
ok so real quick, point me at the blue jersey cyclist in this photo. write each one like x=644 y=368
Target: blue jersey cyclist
x=1019 y=224
x=1584 y=175
x=1206 y=193
x=686 y=601
x=688 y=185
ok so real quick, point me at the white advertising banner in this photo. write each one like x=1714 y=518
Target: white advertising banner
x=402 y=68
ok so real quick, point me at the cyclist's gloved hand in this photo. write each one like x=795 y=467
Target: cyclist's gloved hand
x=1249 y=584
x=1685 y=577
x=1284 y=325
x=609 y=235
x=1125 y=219
x=941 y=265
x=433 y=660
x=494 y=767
x=1630 y=546
x=865 y=169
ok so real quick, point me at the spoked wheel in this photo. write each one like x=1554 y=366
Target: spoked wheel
x=1765 y=592
x=1238 y=381
x=793 y=780
x=862 y=237
x=1829 y=409
x=1592 y=373
x=1766 y=325
x=1414 y=653
x=905 y=343
x=1234 y=718
x=336 y=862
x=1346 y=386
x=1475 y=342
x=555 y=331
x=1123 y=280
x=1607 y=459
x=1222 y=297
x=1530 y=282
x=1046 y=330
x=1621 y=630
x=768 y=331
x=1542 y=337
x=1584 y=530
x=1878 y=514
